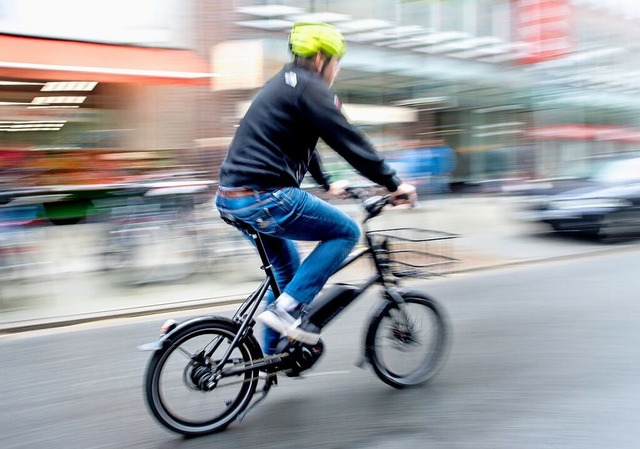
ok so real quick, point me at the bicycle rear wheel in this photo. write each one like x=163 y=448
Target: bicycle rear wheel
x=176 y=379
x=407 y=346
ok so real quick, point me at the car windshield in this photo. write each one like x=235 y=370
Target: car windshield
x=620 y=171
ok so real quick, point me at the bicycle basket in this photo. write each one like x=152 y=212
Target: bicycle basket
x=413 y=252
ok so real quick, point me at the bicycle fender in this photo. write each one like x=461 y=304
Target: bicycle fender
x=166 y=337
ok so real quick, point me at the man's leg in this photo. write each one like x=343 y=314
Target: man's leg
x=292 y=214
x=285 y=260
x=337 y=234
x=283 y=254
x=309 y=218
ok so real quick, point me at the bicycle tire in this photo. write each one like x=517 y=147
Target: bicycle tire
x=165 y=390
x=390 y=326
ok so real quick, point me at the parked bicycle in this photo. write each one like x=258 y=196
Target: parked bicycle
x=205 y=371
x=20 y=244
x=166 y=233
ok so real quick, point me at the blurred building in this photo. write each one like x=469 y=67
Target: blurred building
x=81 y=85
x=518 y=88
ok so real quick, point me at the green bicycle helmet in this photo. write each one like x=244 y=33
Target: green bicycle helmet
x=307 y=39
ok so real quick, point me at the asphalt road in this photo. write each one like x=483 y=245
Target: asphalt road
x=543 y=356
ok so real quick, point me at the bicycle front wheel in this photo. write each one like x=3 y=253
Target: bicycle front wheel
x=177 y=388
x=407 y=345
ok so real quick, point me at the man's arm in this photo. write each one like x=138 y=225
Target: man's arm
x=332 y=126
x=316 y=170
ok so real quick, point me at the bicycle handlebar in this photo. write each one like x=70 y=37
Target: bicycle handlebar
x=373 y=205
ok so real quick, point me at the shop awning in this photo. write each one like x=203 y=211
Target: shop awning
x=58 y=60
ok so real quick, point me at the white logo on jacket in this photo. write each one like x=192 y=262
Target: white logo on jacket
x=291 y=78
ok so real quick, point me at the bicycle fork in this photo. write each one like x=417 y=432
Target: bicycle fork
x=391 y=294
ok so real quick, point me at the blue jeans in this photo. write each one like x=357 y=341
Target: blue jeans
x=283 y=216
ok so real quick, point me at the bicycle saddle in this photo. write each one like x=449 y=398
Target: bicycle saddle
x=233 y=221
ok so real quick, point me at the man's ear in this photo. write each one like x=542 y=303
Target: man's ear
x=319 y=61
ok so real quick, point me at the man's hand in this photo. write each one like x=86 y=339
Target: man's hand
x=338 y=188
x=405 y=194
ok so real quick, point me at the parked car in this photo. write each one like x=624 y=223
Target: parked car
x=607 y=205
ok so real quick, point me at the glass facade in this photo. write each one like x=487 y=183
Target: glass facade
x=518 y=88
x=494 y=79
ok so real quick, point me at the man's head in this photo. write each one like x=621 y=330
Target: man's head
x=318 y=46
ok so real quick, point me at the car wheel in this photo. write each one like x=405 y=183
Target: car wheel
x=556 y=227
x=612 y=229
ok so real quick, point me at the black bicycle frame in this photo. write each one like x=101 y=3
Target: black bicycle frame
x=246 y=311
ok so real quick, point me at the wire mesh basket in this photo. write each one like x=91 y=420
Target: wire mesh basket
x=413 y=252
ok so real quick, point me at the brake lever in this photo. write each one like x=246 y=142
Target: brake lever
x=375 y=204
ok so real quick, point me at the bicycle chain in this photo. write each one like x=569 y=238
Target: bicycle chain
x=266 y=375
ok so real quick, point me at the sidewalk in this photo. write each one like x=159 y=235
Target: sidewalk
x=73 y=291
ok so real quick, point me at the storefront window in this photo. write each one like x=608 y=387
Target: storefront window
x=472 y=74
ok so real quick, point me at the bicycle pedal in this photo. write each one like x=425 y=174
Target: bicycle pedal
x=266 y=376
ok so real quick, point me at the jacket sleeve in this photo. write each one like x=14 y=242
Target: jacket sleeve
x=320 y=104
x=317 y=171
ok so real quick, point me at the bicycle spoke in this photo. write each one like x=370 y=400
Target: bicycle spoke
x=185 y=352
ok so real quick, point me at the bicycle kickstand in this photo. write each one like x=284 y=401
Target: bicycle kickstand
x=270 y=380
x=362 y=361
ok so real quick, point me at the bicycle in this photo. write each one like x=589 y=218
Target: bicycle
x=166 y=233
x=195 y=360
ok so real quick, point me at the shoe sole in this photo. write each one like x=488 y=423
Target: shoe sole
x=297 y=334
x=289 y=330
x=273 y=321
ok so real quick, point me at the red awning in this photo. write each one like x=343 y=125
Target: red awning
x=586 y=132
x=58 y=60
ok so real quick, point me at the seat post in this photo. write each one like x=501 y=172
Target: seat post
x=266 y=263
x=259 y=244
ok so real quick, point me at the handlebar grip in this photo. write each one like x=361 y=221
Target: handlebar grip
x=356 y=193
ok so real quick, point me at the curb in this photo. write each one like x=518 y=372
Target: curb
x=59 y=322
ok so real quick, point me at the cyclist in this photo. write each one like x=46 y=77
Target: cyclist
x=273 y=149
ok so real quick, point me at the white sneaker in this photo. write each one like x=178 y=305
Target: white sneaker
x=282 y=322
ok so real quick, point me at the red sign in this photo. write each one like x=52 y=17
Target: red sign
x=544 y=27
x=586 y=132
